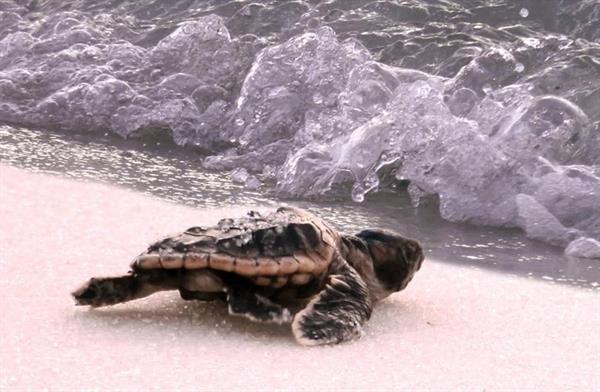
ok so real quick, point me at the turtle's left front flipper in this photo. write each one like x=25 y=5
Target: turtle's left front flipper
x=338 y=312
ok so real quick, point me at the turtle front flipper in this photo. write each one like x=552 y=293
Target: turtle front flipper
x=250 y=304
x=338 y=312
x=98 y=292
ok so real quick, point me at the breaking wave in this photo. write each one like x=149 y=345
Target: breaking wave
x=490 y=110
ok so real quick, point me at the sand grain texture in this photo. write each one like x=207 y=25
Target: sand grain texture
x=454 y=328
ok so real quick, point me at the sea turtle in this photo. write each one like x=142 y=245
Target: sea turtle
x=286 y=267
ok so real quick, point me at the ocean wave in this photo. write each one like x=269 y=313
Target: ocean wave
x=489 y=110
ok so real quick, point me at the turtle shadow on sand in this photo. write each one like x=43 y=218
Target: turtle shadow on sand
x=205 y=320
x=167 y=312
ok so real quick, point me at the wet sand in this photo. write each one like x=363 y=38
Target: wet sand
x=454 y=328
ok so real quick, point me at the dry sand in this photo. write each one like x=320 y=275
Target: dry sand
x=453 y=329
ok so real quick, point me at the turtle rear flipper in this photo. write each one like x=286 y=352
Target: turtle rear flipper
x=113 y=290
x=250 y=304
x=338 y=312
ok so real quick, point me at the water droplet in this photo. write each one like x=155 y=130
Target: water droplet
x=371 y=181
x=524 y=12
x=519 y=67
x=487 y=88
x=239 y=122
x=252 y=183
x=358 y=194
x=239 y=175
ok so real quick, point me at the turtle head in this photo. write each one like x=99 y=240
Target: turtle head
x=395 y=258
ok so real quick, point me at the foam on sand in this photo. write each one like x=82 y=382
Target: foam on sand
x=453 y=328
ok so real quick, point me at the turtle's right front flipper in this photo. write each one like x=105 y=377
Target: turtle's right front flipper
x=338 y=312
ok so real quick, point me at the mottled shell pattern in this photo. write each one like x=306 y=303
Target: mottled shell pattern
x=287 y=246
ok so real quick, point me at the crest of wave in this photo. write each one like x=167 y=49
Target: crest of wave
x=324 y=118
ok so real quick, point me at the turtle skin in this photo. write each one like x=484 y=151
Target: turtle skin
x=285 y=267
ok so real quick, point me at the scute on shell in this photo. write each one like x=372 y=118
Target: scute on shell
x=288 y=265
x=147 y=261
x=262 y=281
x=267 y=266
x=171 y=260
x=279 y=282
x=222 y=262
x=306 y=265
x=195 y=260
x=246 y=267
x=300 y=279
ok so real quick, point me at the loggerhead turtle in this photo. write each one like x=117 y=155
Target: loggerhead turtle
x=285 y=267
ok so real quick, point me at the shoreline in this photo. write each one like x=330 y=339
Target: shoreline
x=175 y=176
x=453 y=328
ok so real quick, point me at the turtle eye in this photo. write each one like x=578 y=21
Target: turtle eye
x=413 y=253
x=379 y=251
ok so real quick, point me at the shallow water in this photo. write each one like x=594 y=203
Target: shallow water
x=171 y=173
x=489 y=106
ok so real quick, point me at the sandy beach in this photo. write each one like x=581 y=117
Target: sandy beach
x=454 y=328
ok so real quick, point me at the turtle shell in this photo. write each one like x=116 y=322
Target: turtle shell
x=288 y=246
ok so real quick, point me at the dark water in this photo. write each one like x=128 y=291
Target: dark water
x=164 y=170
